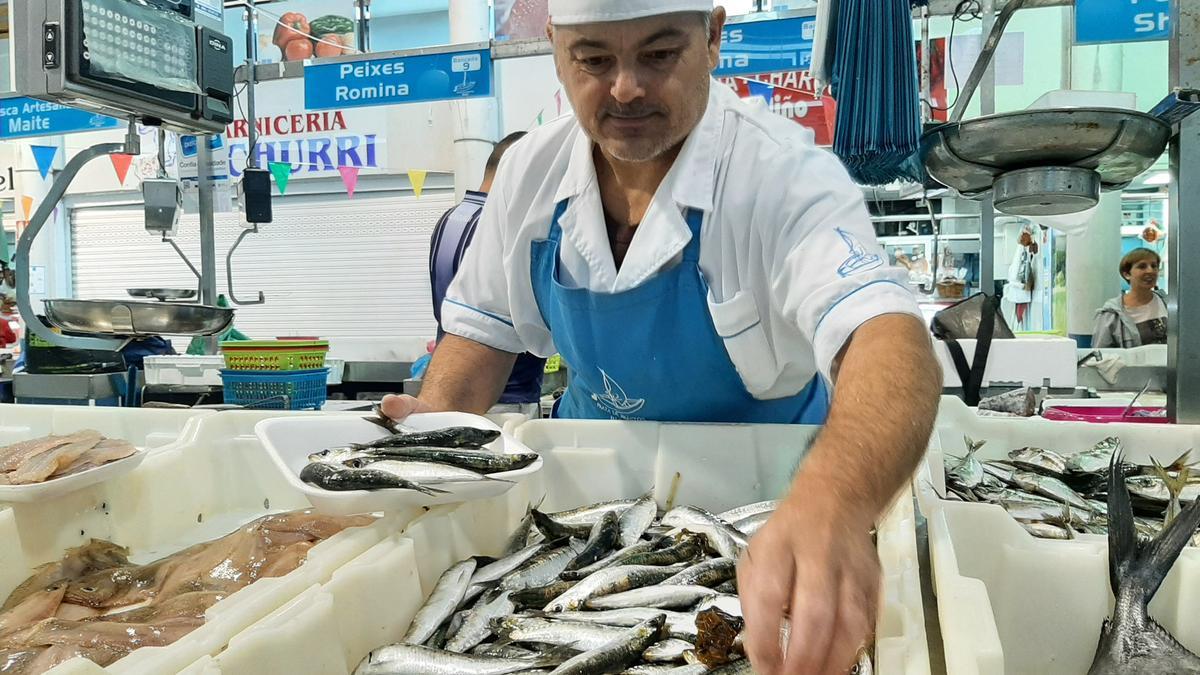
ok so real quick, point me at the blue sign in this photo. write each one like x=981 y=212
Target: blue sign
x=21 y=117
x=778 y=45
x=1101 y=21
x=411 y=79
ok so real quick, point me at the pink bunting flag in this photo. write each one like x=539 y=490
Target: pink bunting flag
x=349 y=178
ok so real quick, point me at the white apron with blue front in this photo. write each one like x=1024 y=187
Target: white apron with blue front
x=652 y=352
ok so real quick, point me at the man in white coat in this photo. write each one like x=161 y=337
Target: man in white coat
x=695 y=258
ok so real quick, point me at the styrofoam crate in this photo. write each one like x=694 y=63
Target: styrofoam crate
x=1028 y=361
x=1009 y=602
x=206 y=370
x=370 y=601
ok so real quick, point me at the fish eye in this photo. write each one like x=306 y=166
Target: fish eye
x=88 y=589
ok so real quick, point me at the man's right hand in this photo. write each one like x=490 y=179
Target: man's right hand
x=400 y=407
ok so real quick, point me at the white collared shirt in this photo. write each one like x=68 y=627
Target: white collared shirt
x=787 y=246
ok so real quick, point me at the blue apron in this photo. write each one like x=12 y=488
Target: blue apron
x=652 y=352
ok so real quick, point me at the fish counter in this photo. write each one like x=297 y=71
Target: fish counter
x=202 y=559
x=408 y=587
x=1021 y=513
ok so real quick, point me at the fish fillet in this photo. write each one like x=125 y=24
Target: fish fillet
x=39 y=468
x=15 y=455
x=108 y=450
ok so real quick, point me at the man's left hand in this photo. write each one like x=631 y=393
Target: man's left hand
x=814 y=560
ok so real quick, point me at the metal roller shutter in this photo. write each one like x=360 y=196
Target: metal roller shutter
x=333 y=268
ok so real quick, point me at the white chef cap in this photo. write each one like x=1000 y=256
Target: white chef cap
x=569 y=12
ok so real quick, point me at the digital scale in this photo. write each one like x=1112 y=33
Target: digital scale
x=161 y=63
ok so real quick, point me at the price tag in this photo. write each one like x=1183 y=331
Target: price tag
x=553 y=364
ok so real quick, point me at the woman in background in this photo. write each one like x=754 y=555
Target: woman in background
x=1137 y=317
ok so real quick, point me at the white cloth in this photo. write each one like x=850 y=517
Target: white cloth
x=787 y=246
x=569 y=12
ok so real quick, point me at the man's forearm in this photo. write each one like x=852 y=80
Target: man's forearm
x=465 y=376
x=884 y=405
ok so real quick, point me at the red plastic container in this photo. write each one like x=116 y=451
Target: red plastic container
x=1106 y=415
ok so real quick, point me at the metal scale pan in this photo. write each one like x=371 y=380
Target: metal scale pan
x=163 y=294
x=1045 y=162
x=136 y=319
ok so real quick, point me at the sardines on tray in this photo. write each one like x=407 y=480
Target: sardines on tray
x=418 y=460
x=615 y=587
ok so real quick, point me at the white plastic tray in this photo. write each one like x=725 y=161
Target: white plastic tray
x=291 y=440
x=145 y=429
x=1027 y=360
x=371 y=600
x=1011 y=603
x=206 y=370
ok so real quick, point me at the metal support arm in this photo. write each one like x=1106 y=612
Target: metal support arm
x=199 y=277
x=229 y=271
x=985 y=57
x=44 y=211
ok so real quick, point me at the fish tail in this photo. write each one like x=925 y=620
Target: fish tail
x=1149 y=562
x=554 y=656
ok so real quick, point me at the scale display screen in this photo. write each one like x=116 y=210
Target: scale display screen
x=143 y=59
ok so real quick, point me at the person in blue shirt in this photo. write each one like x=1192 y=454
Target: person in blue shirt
x=451 y=237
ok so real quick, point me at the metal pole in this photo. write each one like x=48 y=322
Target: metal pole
x=987 y=106
x=1183 y=241
x=251 y=79
x=208 y=236
x=926 y=68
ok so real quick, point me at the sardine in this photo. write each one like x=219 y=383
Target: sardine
x=553 y=529
x=637 y=518
x=1020 y=402
x=1046 y=530
x=1131 y=643
x=1039 y=461
x=483 y=461
x=477 y=625
x=606 y=582
x=424 y=473
x=656 y=597
x=617 y=654
x=551 y=631
x=539 y=596
x=680 y=625
x=620 y=557
x=328 y=477
x=722 y=536
x=687 y=548
x=403 y=659
x=752 y=524
x=729 y=587
x=453 y=437
x=659 y=669
x=506 y=565
x=667 y=651
x=708 y=573
x=739 y=667
x=588 y=515
x=600 y=542
x=519 y=539
x=503 y=651
x=749 y=510
x=543 y=569
x=1028 y=511
x=447 y=593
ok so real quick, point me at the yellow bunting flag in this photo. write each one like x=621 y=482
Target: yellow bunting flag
x=417 y=178
x=27 y=206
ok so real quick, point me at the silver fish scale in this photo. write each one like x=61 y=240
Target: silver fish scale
x=575 y=634
x=542 y=570
x=588 y=515
x=743 y=512
x=656 y=597
x=635 y=519
x=477 y=625
x=617 y=654
x=679 y=624
x=667 y=651
x=707 y=573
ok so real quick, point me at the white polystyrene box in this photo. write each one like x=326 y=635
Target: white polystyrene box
x=1009 y=602
x=375 y=596
x=1028 y=361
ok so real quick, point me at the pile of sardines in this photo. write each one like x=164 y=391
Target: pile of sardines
x=1055 y=496
x=606 y=588
x=413 y=460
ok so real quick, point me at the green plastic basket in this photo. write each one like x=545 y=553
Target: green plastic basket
x=276 y=355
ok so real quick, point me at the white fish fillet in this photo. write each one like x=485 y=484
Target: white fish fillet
x=108 y=450
x=13 y=456
x=41 y=467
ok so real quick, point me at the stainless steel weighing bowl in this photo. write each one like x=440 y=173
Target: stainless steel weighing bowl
x=1117 y=144
x=136 y=319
